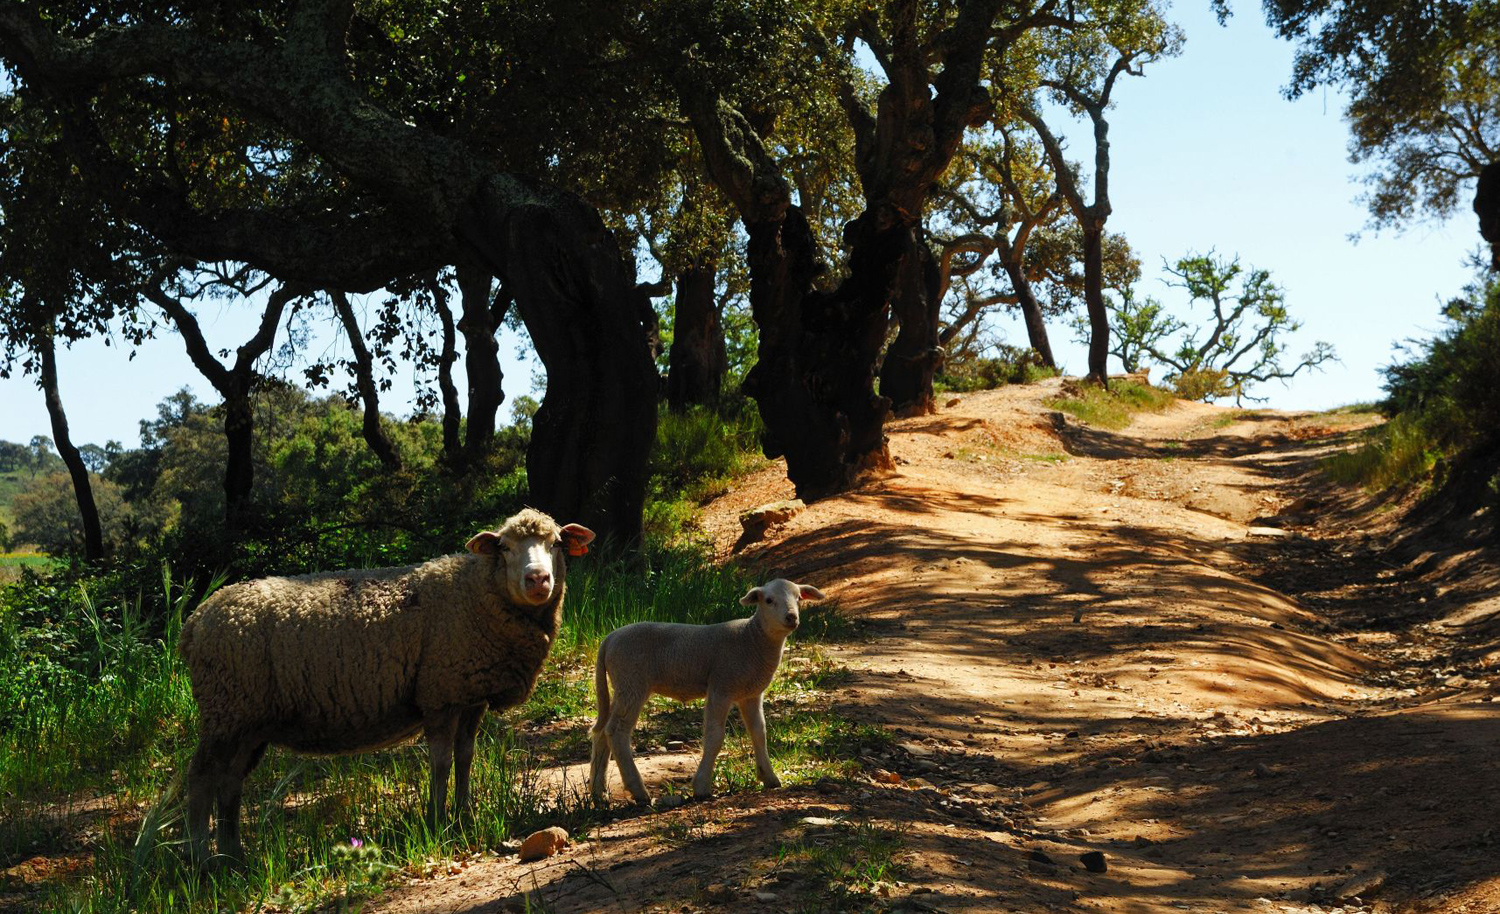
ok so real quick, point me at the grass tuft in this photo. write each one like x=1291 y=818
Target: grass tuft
x=1114 y=408
x=1397 y=454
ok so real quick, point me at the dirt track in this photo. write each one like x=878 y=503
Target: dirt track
x=1083 y=646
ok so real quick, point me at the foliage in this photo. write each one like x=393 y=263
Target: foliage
x=1240 y=345
x=697 y=453
x=1440 y=399
x=1423 y=82
x=1112 y=408
x=46 y=514
x=1011 y=365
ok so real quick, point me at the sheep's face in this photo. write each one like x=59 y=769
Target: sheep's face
x=778 y=603
x=528 y=550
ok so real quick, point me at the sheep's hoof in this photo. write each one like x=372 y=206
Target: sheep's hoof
x=773 y=782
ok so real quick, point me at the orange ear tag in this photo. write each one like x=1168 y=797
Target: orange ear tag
x=577 y=549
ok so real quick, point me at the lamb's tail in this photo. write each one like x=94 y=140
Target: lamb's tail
x=599 y=757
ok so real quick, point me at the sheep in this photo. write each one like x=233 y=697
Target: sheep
x=349 y=661
x=729 y=663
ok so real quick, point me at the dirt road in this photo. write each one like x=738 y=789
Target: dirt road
x=1170 y=645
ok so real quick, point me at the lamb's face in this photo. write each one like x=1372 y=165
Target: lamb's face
x=778 y=604
x=528 y=550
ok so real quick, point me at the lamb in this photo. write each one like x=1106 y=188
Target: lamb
x=348 y=661
x=729 y=663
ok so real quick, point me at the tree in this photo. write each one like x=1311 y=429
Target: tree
x=331 y=175
x=1241 y=345
x=1084 y=68
x=364 y=372
x=46 y=514
x=1487 y=208
x=83 y=490
x=1423 y=82
x=235 y=383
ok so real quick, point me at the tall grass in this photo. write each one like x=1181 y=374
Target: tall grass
x=110 y=755
x=1399 y=453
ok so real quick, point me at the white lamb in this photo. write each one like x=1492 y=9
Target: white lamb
x=729 y=663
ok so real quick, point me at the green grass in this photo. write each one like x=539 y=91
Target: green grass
x=25 y=560
x=105 y=758
x=1398 y=454
x=10 y=484
x=848 y=862
x=1114 y=408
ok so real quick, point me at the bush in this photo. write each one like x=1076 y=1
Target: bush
x=1013 y=365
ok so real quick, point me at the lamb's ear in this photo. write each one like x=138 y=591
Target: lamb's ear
x=809 y=593
x=751 y=597
x=485 y=542
x=576 y=537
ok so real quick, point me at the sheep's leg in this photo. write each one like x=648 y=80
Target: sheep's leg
x=204 y=773
x=463 y=757
x=753 y=713
x=599 y=762
x=440 y=728
x=715 y=712
x=231 y=784
x=622 y=718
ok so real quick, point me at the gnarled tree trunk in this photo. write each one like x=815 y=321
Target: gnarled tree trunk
x=1093 y=298
x=591 y=438
x=446 y=358
x=1031 y=312
x=697 y=361
x=916 y=354
x=364 y=374
x=83 y=489
x=479 y=325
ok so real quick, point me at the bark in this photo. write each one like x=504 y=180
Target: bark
x=1093 y=297
x=364 y=373
x=83 y=490
x=916 y=354
x=1487 y=208
x=235 y=385
x=479 y=326
x=590 y=440
x=446 y=358
x=1031 y=312
x=697 y=361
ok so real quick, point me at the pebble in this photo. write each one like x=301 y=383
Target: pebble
x=916 y=750
x=670 y=801
x=1094 y=862
x=675 y=745
x=765 y=896
x=818 y=821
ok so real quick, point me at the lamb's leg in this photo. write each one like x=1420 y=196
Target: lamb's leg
x=622 y=718
x=715 y=712
x=231 y=784
x=753 y=713
x=440 y=729
x=599 y=763
x=463 y=757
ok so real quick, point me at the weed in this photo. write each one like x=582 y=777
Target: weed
x=850 y=860
x=1112 y=408
x=1398 y=453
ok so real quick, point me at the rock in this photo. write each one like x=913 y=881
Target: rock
x=539 y=845
x=1040 y=856
x=919 y=783
x=881 y=776
x=757 y=521
x=916 y=750
x=1265 y=531
x=1262 y=770
x=986 y=790
x=1094 y=862
x=1359 y=885
x=953 y=402
x=670 y=801
x=766 y=897
x=675 y=745
x=1142 y=841
x=818 y=821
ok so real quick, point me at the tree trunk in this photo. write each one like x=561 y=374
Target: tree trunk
x=815 y=379
x=1093 y=297
x=1031 y=312
x=592 y=436
x=239 y=467
x=916 y=354
x=83 y=490
x=481 y=355
x=446 y=358
x=364 y=374
x=697 y=361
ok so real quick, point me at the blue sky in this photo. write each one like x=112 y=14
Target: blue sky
x=1206 y=153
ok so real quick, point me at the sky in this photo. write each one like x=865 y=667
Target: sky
x=1207 y=154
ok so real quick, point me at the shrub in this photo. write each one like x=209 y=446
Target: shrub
x=1012 y=365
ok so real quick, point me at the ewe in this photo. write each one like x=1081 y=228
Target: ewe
x=349 y=661
x=730 y=663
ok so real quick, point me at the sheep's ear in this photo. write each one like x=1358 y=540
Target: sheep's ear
x=810 y=593
x=576 y=537
x=751 y=597
x=485 y=542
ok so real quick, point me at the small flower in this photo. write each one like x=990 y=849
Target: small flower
x=356 y=843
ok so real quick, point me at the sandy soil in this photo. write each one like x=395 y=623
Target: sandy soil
x=1173 y=645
